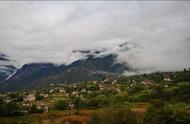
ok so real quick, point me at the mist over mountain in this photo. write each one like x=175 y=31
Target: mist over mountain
x=93 y=64
x=77 y=41
x=42 y=74
x=55 y=32
x=7 y=67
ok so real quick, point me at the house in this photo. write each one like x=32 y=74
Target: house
x=71 y=106
x=167 y=77
x=83 y=90
x=26 y=104
x=7 y=99
x=147 y=83
x=61 y=91
x=44 y=95
x=101 y=87
x=89 y=92
x=118 y=90
x=42 y=105
x=94 y=82
x=114 y=82
x=102 y=82
x=61 y=84
x=51 y=91
x=74 y=93
x=75 y=85
x=30 y=97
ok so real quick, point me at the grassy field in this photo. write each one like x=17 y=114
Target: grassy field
x=71 y=116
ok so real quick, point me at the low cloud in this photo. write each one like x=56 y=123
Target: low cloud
x=157 y=33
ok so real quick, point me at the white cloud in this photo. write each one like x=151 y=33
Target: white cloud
x=45 y=31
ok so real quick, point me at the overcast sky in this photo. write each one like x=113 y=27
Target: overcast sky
x=158 y=32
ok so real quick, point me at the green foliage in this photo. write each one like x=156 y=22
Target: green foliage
x=16 y=97
x=157 y=103
x=39 y=97
x=7 y=108
x=103 y=100
x=78 y=102
x=144 y=95
x=34 y=109
x=116 y=116
x=92 y=88
x=4 y=110
x=135 y=88
x=61 y=104
x=92 y=103
x=120 y=98
x=167 y=114
x=181 y=76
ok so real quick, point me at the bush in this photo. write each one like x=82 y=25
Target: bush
x=39 y=97
x=168 y=114
x=7 y=108
x=145 y=95
x=157 y=103
x=92 y=103
x=120 y=98
x=34 y=109
x=116 y=116
x=61 y=105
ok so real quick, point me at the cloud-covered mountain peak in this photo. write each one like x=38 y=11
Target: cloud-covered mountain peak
x=7 y=67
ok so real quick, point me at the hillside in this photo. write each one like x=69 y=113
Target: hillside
x=159 y=98
x=42 y=74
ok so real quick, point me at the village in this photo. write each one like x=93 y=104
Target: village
x=101 y=100
x=45 y=100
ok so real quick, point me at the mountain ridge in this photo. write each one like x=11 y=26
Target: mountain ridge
x=42 y=74
x=7 y=67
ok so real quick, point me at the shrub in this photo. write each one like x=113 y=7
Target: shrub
x=34 y=109
x=39 y=97
x=119 y=98
x=61 y=104
x=116 y=116
x=168 y=114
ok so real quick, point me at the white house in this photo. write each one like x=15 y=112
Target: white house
x=167 y=77
x=30 y=97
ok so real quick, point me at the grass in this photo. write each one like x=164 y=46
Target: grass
x=52 y=117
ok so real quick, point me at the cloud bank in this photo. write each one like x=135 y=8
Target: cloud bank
x=47 y=31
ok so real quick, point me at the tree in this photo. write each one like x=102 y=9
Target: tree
x=39 y=97
x=167 y=114
x=119 y=98
x=61 y=104
x=7 y=108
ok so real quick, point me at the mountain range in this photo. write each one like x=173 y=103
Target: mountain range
x=95 y=65
x=35 y=75
x=7 y=67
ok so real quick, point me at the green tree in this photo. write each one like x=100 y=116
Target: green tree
x=34 y=109
x=61 y=105
x=39 y=97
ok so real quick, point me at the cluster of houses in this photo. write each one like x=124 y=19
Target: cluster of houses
x=28 y=99
x=70 y=90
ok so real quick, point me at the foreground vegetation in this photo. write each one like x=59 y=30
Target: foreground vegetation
x=159 y=98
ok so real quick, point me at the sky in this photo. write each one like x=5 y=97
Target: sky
x=157 y=33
